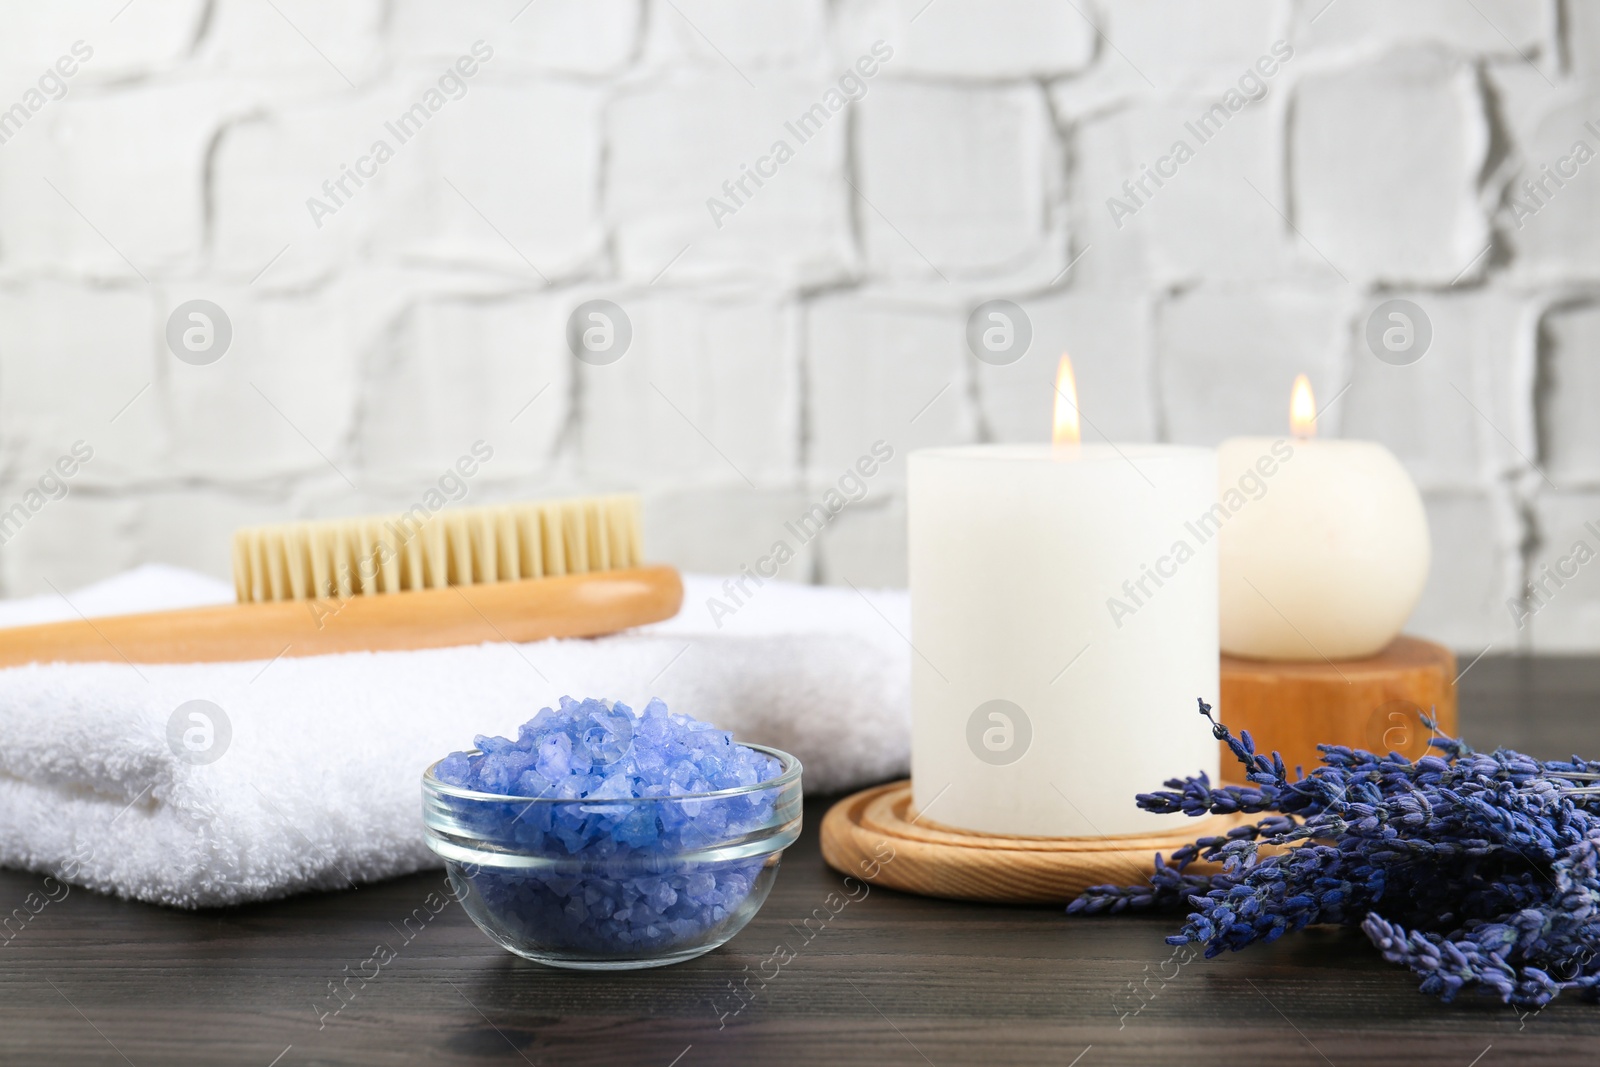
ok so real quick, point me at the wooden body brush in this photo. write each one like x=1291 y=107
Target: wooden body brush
x=519 y=572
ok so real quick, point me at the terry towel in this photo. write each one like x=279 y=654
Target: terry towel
x=317 y=784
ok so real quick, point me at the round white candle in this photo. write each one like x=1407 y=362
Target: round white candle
x=1324 y=548
x=1066 y=582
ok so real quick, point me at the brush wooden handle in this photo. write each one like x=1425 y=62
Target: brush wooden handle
x=581 y=605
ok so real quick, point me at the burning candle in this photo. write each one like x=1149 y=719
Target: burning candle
x=1324 y=543
x=1064 y=620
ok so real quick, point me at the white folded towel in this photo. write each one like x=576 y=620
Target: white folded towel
x=319 y=786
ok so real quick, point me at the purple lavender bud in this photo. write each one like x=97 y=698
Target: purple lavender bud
x=1484 y=866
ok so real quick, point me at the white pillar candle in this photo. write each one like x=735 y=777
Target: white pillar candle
x=1324 y=544
x=1064 y=621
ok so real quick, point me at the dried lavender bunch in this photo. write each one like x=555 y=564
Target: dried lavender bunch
x=1477 y=871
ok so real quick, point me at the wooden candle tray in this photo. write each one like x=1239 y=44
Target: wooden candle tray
x=1373 y=703
x=872 y=836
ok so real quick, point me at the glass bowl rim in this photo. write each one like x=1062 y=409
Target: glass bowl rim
x=787 y=776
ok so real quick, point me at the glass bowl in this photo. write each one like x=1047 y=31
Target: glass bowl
x=614 y=884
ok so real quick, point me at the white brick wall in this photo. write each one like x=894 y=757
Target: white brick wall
x=1205 y=223
x=988 y=213
x=1385 y=158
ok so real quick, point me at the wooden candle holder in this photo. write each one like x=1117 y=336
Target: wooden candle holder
x=1376 y=704
x=873 y=836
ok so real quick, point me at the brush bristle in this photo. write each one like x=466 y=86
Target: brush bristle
x=468 y=546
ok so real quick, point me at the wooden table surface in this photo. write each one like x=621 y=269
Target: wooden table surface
x=890 y=979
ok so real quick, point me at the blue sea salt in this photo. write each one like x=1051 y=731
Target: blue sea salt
x=624 y=857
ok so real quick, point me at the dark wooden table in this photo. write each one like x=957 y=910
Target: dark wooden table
x=890 y=979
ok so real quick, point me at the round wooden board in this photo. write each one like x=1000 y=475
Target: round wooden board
x=870 y=836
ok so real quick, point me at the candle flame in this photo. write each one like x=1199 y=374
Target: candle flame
x=1302 y=409
x=1066 y=422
